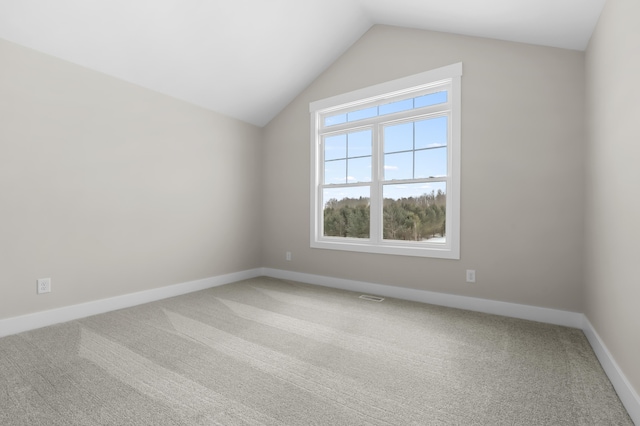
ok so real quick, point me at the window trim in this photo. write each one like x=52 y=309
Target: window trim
x=358 y=99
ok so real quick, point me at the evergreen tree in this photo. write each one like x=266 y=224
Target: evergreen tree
x=414 y=218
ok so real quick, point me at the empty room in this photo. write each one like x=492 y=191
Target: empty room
x=327 y=212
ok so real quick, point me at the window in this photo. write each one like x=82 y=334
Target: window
x=386 y=167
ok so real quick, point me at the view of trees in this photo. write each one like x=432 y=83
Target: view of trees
x=413 y=218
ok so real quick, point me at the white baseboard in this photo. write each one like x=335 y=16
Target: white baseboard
x=514 y=310
x=626 y=392
x=22 y=323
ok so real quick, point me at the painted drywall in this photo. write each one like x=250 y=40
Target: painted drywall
x=612 y=292
x=522 y=170
x=111 y=189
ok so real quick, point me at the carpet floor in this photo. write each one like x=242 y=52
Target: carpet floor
x=274 y=352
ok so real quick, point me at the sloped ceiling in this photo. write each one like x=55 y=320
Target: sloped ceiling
x=249 y=58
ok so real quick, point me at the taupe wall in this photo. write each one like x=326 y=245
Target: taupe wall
x=110 y=189
x=522 y=169
x=613 y=209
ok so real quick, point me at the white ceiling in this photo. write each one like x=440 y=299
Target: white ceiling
x=249 y=58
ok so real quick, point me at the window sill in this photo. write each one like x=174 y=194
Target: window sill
x=433 y=250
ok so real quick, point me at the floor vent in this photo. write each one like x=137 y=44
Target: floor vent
x=372 y=298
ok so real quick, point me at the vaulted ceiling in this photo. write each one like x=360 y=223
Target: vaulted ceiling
x=249 y=58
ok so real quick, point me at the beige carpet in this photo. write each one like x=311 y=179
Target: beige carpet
x=272 y=352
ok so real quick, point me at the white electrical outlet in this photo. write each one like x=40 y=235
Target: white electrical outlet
x=44 y=285
x=471 y=275
x=288 y=255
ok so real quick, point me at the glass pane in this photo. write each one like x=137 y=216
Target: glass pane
x=335 y=119
x=431 y=133
x=415 y=212
x=346 y=212
x=335 y=147
x=361 y=114
x=335 y=171
x=392 y=107
x=398 y=137
x=398 y=166
x=431 y=163
x=359 y=143
x=431 y=99
x=359 y=169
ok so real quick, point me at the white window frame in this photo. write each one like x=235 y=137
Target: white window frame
x=448 y=77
